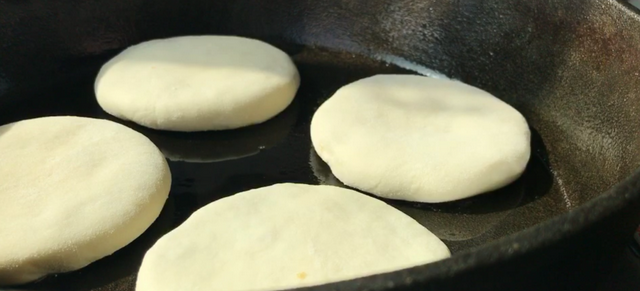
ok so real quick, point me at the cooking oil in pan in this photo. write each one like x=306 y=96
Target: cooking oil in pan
x=207 y=166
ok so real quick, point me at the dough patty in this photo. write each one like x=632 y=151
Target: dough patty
x=420 y=139
x=197 y=83
x=73 y=190
x=286 y=236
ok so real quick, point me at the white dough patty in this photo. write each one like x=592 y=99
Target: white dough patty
x=420 y=139
x=197 y=83
x=286 y=236
x=73 y=190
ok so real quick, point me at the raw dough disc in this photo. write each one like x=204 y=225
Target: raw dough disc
x=73 y=190
x=197 y=83
x=420 y=139
x=286 y=236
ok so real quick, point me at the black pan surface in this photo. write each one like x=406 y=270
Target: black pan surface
x=571 y=67
x=207 y=166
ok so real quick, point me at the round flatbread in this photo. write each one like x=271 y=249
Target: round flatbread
x=73 y=190
x=198 y=83
x=420 y=139
x=286 y=236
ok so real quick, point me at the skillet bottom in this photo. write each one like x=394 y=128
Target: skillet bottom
x=210 y=165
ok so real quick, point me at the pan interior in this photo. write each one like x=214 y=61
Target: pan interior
x=207 y=166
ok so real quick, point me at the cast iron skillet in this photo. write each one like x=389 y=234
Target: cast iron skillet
x=571 y=67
